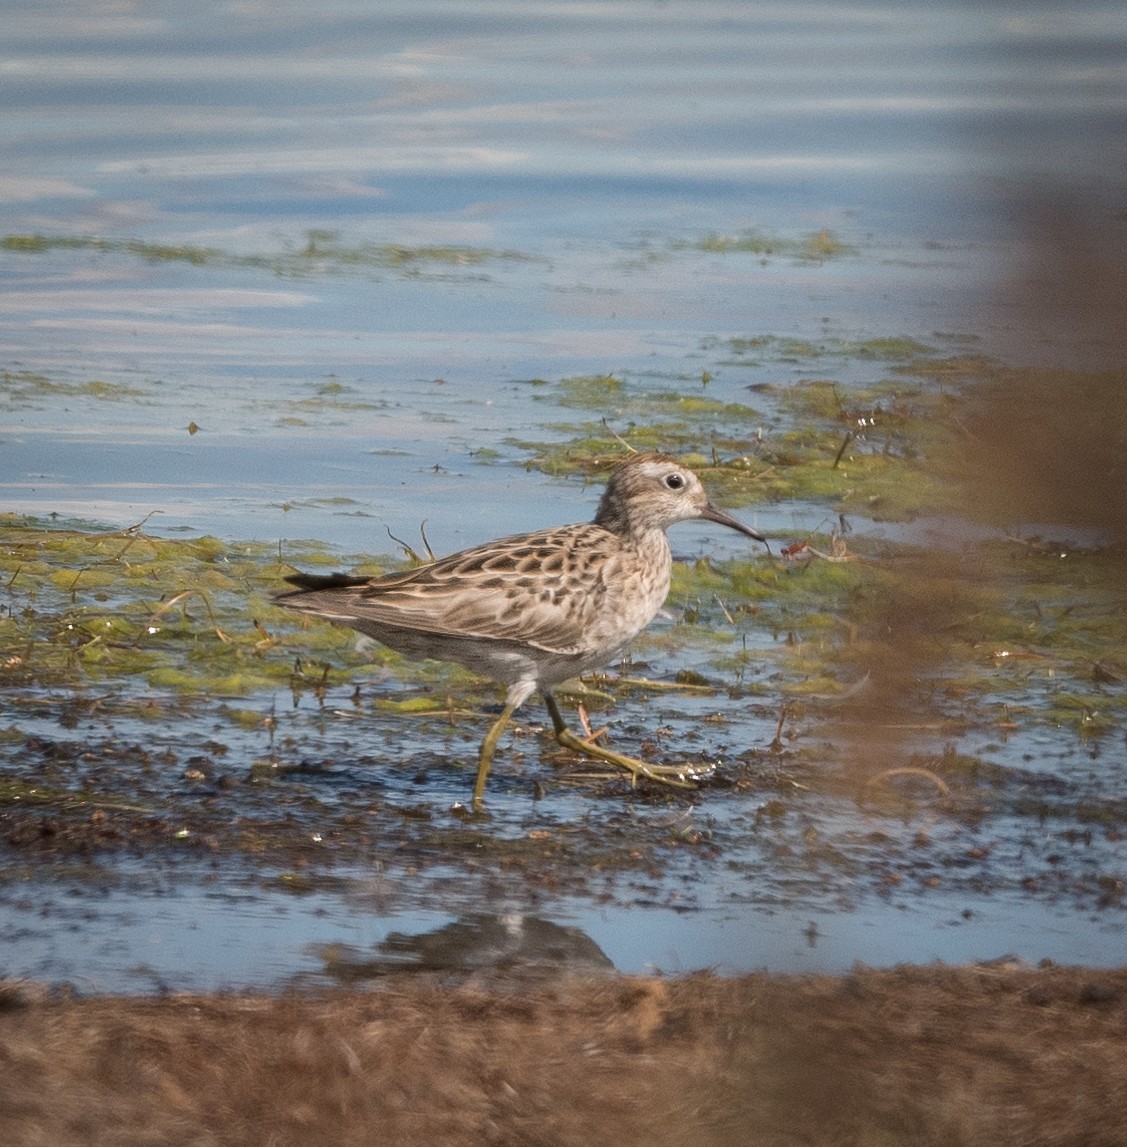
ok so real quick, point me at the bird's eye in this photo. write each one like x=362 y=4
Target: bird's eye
x=674 y=481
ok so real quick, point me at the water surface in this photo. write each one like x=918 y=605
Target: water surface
x=311 y=271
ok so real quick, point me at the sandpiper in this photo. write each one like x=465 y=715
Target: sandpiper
x=533 y=610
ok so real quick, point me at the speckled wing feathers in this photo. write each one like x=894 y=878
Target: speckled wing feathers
x=545 y=589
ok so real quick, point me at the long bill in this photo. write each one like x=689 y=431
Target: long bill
x=714 y=514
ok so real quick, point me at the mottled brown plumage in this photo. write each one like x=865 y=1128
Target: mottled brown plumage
x=536 y=609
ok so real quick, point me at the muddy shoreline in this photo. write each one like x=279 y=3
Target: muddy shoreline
x=924 y=1055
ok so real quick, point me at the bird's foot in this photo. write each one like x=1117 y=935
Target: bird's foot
x=676 y=776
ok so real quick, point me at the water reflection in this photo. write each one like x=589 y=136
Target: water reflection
x=511 y=944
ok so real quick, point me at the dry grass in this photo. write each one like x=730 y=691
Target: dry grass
x=919 y=1056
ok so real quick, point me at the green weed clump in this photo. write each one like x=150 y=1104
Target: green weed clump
x=323 y=253
x=90 y=608
x=813 y=247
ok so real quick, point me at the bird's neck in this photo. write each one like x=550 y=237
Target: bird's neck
x=649 y=541
x=615 y=519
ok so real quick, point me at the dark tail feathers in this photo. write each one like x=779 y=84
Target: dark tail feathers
x=307 y=581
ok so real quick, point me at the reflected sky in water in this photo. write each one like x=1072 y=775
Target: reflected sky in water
x=519 y=124
x=594 y=140
x=509 y=123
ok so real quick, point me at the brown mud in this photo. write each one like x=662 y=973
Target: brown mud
x=982 y=1055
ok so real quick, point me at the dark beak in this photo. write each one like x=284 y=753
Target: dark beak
x=714 y=514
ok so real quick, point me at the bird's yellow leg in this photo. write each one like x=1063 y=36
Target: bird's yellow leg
x=485 y=754
x=680 y=777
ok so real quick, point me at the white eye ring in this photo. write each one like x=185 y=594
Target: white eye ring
x=674 y=481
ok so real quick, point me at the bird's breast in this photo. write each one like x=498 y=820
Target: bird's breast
x=634 y=587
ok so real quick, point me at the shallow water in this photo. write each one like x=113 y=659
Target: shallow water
x=190 y=935
x=357 y=249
